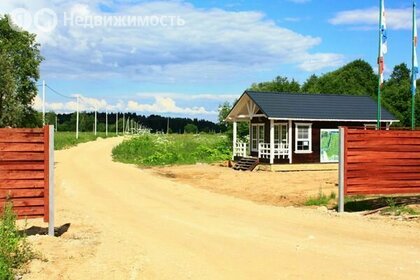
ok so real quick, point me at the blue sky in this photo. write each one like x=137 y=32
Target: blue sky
x=219 y=49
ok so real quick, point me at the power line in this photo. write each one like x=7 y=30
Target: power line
x=58 y=93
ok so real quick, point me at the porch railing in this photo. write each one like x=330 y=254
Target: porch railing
x=240 y=149
x=281 y=150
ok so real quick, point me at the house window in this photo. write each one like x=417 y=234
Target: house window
x=257 y=136
x=303 y=135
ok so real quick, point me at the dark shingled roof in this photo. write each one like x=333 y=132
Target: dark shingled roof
x=317 y=106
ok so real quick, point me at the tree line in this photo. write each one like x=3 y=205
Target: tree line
x=157 y=123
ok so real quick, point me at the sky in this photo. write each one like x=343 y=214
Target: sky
x=184 y=58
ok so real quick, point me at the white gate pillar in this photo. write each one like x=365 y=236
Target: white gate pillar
x=235 y=136
x=271 y=141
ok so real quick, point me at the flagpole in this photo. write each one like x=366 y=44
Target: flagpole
x=413 y=70
x=378 y=125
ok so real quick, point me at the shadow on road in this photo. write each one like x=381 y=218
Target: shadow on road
x=366 y=204
x=58 y=231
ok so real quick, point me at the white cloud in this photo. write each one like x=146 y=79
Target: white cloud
x=160 y=105
x=166 y=105
x=321 y=60
x=365 y=19
x=214 y=45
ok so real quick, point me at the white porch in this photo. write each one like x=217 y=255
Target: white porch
x=277 y=148
x=269 y=139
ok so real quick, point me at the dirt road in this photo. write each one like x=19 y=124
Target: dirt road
x=128 y=223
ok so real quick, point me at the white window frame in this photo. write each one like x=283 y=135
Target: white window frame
x=297 y=125
x=251 y=138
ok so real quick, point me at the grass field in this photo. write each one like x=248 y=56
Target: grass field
x=155 y=150
x=65 y=140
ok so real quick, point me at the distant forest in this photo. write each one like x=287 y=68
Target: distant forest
x=67 y=122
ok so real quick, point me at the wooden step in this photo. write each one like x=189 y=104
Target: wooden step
x=246 y=164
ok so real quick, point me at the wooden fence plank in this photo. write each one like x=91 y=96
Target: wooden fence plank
x=31 y=210
x=21 y=147
x=21 y=184
x=22 y=174
x=22 y=202
x=352 y=155
x=21 y=130
x=19 y=193
x=18 y=165
x=21 y=156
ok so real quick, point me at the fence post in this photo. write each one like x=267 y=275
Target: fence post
x=51 y=181
x=341 y=171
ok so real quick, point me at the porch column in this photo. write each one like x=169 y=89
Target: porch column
x=235 y=128
x=271 y=141
x=290 y=142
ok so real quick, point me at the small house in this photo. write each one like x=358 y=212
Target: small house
x=299 y=128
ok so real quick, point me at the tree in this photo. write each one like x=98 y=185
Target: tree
x=310 y=86
x=355 y=78
x=19 y=61
x=396 y=94
x=279 y=84
x=190 y=128
x=243 y=127
x=8 y=105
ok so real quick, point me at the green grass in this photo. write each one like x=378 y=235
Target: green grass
x=174 y=149
x=321 y=199
x=15 y=251
x=395 y=209
x=65 y=140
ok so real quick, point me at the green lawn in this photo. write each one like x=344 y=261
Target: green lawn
x=155 y=150
x=65 y=140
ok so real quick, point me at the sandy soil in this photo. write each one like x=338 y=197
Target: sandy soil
x=273 y=188
x=128 y=223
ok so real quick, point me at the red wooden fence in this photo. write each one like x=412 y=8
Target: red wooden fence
x=24 y=171
x=381 y=161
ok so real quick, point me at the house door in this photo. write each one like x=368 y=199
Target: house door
x=281 y=133
x=257 y=136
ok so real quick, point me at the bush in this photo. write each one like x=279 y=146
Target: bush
x=154 y=150
x=14 y=249
x=190 y=128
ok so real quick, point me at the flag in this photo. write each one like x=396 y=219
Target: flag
x=383 y=44
x=415 y=69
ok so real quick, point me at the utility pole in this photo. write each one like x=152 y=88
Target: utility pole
x=167 y=126
x=43 y=102
x=56 y=122
x=106 y=122
x=123 y=124
x=116 y=123
x=77 y=117
x=96 y=119
x=127 y=126
x=132 y=126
